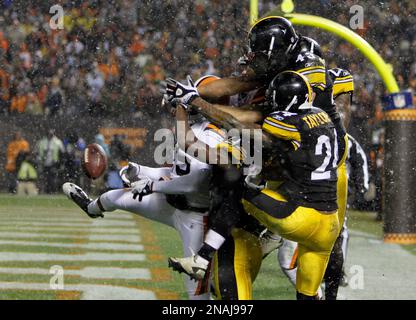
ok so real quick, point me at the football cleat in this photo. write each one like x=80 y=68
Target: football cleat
x=76 y=194
x=269 y=242
x=194 y=266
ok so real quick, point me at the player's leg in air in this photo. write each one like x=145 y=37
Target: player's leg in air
x=180 y=201
x=288 y=253
x=225 y=211
x=190 y=225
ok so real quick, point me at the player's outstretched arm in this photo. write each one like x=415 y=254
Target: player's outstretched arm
x=227 y=117
x=226 y=87
x=188 y=94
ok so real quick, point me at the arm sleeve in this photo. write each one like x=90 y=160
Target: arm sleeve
x=193 y=182
x=155 y=174
x=359 y=166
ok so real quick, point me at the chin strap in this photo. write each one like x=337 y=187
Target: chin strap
x=306 y=105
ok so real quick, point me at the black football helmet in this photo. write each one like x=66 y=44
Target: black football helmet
x=306 y=44
x=289 y=91
x=270 y=41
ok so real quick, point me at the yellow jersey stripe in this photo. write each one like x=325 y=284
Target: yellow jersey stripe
x=281 y=133
x=344 y=156
x=343 y=78
x=273 y=124
x=314 y=68
x=316 y=78
x=281 y=123
x=295 y=144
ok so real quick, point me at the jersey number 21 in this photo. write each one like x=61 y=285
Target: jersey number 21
x=323 y=172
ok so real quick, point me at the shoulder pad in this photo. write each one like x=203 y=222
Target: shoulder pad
x=339 y=73
x=312 y=67
x=282 y=124
x=343 y=81
x=306 y=60
x=282 y=115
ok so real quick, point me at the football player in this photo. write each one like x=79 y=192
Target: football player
x=303 y=140
x=232 y=275
x=274 y=45
x=343 y=89
x=176 y=196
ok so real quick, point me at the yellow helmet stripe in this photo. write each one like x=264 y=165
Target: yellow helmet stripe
x=262 y=19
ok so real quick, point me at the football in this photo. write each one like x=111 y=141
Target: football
x=94 y=162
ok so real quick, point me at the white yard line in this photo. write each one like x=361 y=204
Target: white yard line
x=103 y=223
x=112 y=223
x=129 y=237
x=389 y=270
x=31 y=219
x=89 y=291
x=70 y=230
x=88 y=246
x=93 y=235
x=89 y=272
x=114 y=237
x=89 y=256
x=133 y=238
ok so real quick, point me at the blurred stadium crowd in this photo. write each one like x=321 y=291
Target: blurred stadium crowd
x=111 y=55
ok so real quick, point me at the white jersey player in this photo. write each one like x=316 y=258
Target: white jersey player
x=179 y=197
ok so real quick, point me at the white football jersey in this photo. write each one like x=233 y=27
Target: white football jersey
x=199 y=172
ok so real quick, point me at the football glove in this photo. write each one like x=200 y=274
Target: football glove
x=141 y=188
x=130 y=173
x=178 y=93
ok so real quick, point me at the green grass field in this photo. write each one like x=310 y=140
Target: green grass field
x=37 y=233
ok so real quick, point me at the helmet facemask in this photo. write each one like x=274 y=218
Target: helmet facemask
x=271 y=41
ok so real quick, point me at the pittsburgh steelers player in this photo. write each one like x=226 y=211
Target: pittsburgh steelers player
x=298 y=52
x=343 y=89
x=302 y=139
x=274 y=46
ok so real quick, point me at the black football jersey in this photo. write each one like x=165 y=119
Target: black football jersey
x=326 y=84
x=310 y=165
x=312 y=67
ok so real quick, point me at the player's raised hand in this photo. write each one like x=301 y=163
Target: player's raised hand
x=178 y=93
x=130 y=173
